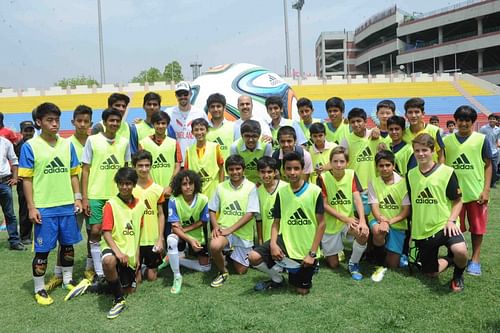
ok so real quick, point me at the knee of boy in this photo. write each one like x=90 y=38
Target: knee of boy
x=109 y=261
x=172 y=242
x=254 y=258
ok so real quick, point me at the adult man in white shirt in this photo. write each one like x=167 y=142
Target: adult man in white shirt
x=245 y=106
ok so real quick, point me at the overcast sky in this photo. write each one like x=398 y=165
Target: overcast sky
x=45 y=40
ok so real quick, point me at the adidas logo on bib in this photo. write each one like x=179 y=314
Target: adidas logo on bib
x=188 y=222
x=160 y=162
x=425 y=197
x=252 y=165
x=129 y=230
x=299 y=218
x=388 y=203
x=56 y=166
x=111 y=163
x=149 y=210
x=233 y=209
x=205 y=177
x=221 y=143
x=365 y=155
x=462 y=163
x=340 y=199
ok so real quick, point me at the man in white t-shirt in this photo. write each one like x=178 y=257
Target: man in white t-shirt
x=181 y=117
x=245 y=106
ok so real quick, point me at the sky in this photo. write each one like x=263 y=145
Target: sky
x=43 y=41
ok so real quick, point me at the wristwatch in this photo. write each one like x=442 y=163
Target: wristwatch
x=312 y=254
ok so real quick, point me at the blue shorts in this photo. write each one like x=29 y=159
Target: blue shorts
x=395 y=239
x=56 y=228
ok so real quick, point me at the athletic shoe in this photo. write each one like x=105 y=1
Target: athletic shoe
x=89 y=274
x=98 y=285
x=403 y=261
x=457 y=285
x=26 y=241
x=117 y=308
x=43 y=298
x=53 y=283
x=165 y=263
x=18 y=247
x=379 y=273
x=78 y=289
x=354 y=270
x=70 y=285
x=3 y=227
x=267 y=285
x=474 y=268
x=176 y=287
x=219 y=280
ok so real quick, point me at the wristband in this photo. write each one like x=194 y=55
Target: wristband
x=78 y=196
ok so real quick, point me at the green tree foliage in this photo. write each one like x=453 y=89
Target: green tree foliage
x=173 y=72
x=76 y=81
x=150 y=75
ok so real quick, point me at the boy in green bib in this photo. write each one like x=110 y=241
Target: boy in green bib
x=385 y=110
x=251 y=148
x=388 y=198
x=341 y=192
x=142 y=128
x=274 y=106
x=287 y=138
x=188 y=216
x=403 y=152
x=469 y=153
x=221 y=130
x=205 y=158
x=232 y=211
x=319 y=150
x=337 y=128
x=436 y=202
x=119 y=102
x=121 y=233
x=295 y=233
x=305 y=109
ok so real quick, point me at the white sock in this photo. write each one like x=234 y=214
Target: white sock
x=173 y=254
x=67 y=274
x=39 y=282
x=89 y=265
x=95 y=251
x=357 y=252
x=194 y=265
x=58 y=271
x=273 y=274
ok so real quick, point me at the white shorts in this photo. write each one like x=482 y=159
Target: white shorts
x=241 y=248
x=332 y=244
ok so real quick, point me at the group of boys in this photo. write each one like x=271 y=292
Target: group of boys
x=275 y=196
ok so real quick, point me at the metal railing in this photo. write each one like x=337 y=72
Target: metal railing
x=442 y=10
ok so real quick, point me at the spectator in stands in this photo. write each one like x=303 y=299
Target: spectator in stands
x=451 y=127
x=7 y=132
x=434 y=120
x=492 y=132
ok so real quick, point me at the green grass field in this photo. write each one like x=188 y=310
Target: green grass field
x=400 y=303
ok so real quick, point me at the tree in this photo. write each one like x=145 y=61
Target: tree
x=150 y=75
x=72 y=82
x=173 y=72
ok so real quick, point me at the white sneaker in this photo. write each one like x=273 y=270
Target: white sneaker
x=379 y=273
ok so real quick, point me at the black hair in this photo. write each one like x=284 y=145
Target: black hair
x=82 y=109
x=304 y=102
x=126 y=174
x=433 y=118
x=44 y=109
x=235 y=160
x=159 y=116
x=111 y=112
x=267 y=161
x=386 y=103
x=335 y=102
x=450 y=122
x=200 y=121
x=177 y=182
x=115 y=97
x=274 y=100
x=287 y=130
x=1 y=119
x=142 y=155
x=293 y=156
x=415 y=102
x=385 y=155
x=492 y=116
x=250 y=126
x=317 y=128
x=357 y=113
x=216 y=98
x=151 y=96
x=465 y=112
x=397 y=120
x=33 y=116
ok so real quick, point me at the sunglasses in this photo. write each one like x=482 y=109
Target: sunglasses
x=182 y=93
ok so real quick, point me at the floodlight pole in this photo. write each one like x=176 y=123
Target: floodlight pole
x=287 y=40
x=101 y=44
x=298 y=5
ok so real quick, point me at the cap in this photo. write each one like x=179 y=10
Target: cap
x=26 y=124
x=182 y=86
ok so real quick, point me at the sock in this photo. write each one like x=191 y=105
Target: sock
x=89 y=265
x=357 y=252
x=458 y=272
x=273 y=274
x=173 y=257
x=379 y=254
x=194 y=265
x=67 y=274
x=58 y=271
x=95 y=250
x=39 y=282
x=116 y=289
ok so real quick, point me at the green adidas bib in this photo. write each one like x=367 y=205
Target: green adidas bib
x=123 y=131
x=465 y=158
x=163 y=159
x=339 y=196
x=266 y=204
x=274 y=133
x=362 y=157
x=305 y=130
x=106 y=160
x=190 y=215
x=206 y=167
x=430 y=206
x=144 y=130
x=233 y=205
x=390 y=199
x=126 y=228
x=223 y=135
x=150 y=226
x=251 y=158
x=298 y=222
x=402 y=157
x=319 y=159
x=340 y=133
x=79 y=151
x=52 y=166
x=430 y=129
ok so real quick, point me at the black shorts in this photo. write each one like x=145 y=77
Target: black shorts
x=302 y=279
x=181 y=247
x=125 y=273
x=148 y=257
x=429 y=249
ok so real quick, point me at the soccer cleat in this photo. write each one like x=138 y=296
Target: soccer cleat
x=18 y=247
x=89 y=274
x=355 y=273
x=98 y=285
x=117 y=308
x=403 y=261
x=78 y=289
x=176 y=287
x=268 y=285
x=43 y=298
x=53 y=283
x=219 y=280
x=164 y=264
x=457 y=284
x=379 y=273
x=474 y=268
x=70 y=285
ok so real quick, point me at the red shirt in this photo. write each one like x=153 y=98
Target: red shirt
x=108 y=220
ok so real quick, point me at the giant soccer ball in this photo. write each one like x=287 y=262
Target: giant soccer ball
x=234 y=80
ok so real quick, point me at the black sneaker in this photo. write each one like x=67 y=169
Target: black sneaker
x=99 y=285
x=457 y=284
x=17 y=247
x=269 y=284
